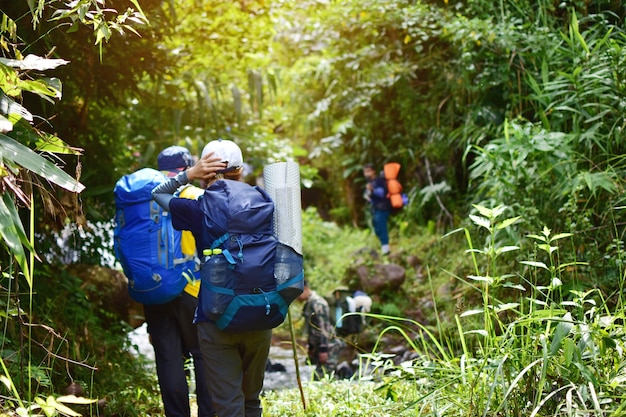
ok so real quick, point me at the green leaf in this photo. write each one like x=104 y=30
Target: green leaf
x=8 y=201
x=471 y=313
x=547 y=248
x=25 y=157
x=72 y=399
x=6 y=381
x=569 y=347
x=51 y=402
x=560 y=236
x=33 y=62
x=563 y=329
x=505 y=249
x=508 y=222
x=536 y=264
x=10 y=107
x=484 y=211
x=481 y=221
x=506 y=306
x=480 y=278
x=139 y=9
x=12 y=235
x=52 y=143
x=480 y=332
x=40 y=88
x=514 y=286
x=537 y=237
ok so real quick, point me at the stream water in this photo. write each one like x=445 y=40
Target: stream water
x=280 y=357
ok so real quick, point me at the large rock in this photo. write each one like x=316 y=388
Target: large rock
x=108 y=288
x=381 y=277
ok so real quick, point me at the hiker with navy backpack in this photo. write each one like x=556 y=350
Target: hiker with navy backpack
x=242 y=295
x=167 y=290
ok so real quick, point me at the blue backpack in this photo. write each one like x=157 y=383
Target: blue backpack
x=145 y=242
x=249 y=278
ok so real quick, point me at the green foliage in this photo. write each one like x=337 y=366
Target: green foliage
x=540 y=346
x=329 y=250
x=36 y=358
x=529 y=167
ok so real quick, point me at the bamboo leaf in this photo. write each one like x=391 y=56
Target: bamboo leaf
x=53 y=144
x=577 y=34
x=12 y=210
x=33 y=62
x=25 y=157
x=13 y=235
x=9 y=107
x=43 y=87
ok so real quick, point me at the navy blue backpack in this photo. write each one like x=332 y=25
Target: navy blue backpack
x=145 y=243
x=249 y=278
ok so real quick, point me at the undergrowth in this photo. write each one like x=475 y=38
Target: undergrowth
x=531 y=338
x=494 y=320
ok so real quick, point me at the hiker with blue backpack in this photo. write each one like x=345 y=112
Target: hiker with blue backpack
x=240 y=299
x=160 y=265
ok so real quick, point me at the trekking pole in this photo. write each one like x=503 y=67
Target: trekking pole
x=295 y=359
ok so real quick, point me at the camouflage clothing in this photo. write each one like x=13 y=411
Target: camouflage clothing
x=320 y=330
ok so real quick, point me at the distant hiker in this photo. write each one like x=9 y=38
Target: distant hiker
x=159 y=263
x=377 y=195
x=234 y=362
x=324 y=348
x=347 y=310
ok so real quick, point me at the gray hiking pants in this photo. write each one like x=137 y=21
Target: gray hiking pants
x=235 y=367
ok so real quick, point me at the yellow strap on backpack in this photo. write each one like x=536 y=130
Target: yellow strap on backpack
x=187 y=241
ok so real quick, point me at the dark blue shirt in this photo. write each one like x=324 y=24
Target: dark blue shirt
x=187 y=215
x=378 y=195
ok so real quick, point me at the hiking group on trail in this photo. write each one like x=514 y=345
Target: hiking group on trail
x=214 y=279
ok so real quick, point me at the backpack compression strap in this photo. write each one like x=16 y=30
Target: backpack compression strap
x=229 y=257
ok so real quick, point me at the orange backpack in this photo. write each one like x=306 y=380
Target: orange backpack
x=394 y=188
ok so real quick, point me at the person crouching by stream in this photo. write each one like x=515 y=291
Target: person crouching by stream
x=323 y=347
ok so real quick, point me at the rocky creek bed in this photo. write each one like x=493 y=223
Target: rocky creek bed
x=279 y=376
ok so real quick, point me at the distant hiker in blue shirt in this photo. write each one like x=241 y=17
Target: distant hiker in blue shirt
x=376 y=194
x=172 y=332
x=234 y=362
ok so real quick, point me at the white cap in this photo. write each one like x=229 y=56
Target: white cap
x=227 y=150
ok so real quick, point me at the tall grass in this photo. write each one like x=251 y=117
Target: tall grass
x=536 y=346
